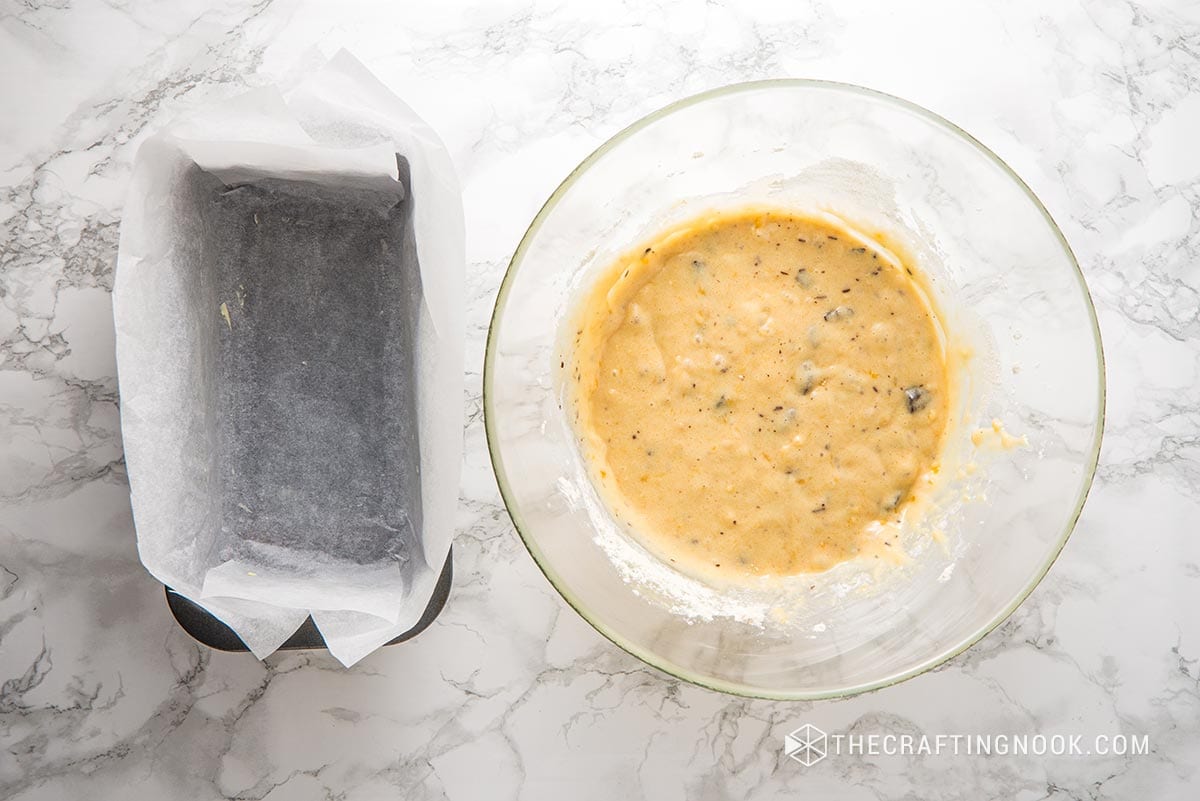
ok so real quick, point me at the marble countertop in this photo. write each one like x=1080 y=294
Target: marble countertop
x=1096 y=103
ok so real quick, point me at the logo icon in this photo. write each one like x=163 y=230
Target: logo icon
x=806 y=745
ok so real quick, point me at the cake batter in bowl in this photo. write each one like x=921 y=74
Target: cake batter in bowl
x=760 y=393
x=903 y=420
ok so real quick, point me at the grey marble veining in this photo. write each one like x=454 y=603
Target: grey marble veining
x=510 y=694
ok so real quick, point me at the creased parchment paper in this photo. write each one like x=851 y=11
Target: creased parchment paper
x=288 y=307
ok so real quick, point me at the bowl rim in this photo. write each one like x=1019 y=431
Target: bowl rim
x=665 y=665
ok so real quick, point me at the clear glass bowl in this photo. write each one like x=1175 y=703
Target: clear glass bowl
x=1010 y=294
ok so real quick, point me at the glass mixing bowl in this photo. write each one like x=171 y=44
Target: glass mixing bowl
x=1013 y=303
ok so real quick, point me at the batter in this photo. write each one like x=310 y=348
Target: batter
x=757 y=392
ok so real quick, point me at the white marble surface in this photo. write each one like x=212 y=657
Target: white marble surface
x=1096 y=103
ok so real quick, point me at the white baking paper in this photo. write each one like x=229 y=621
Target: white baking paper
x=341 y=128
